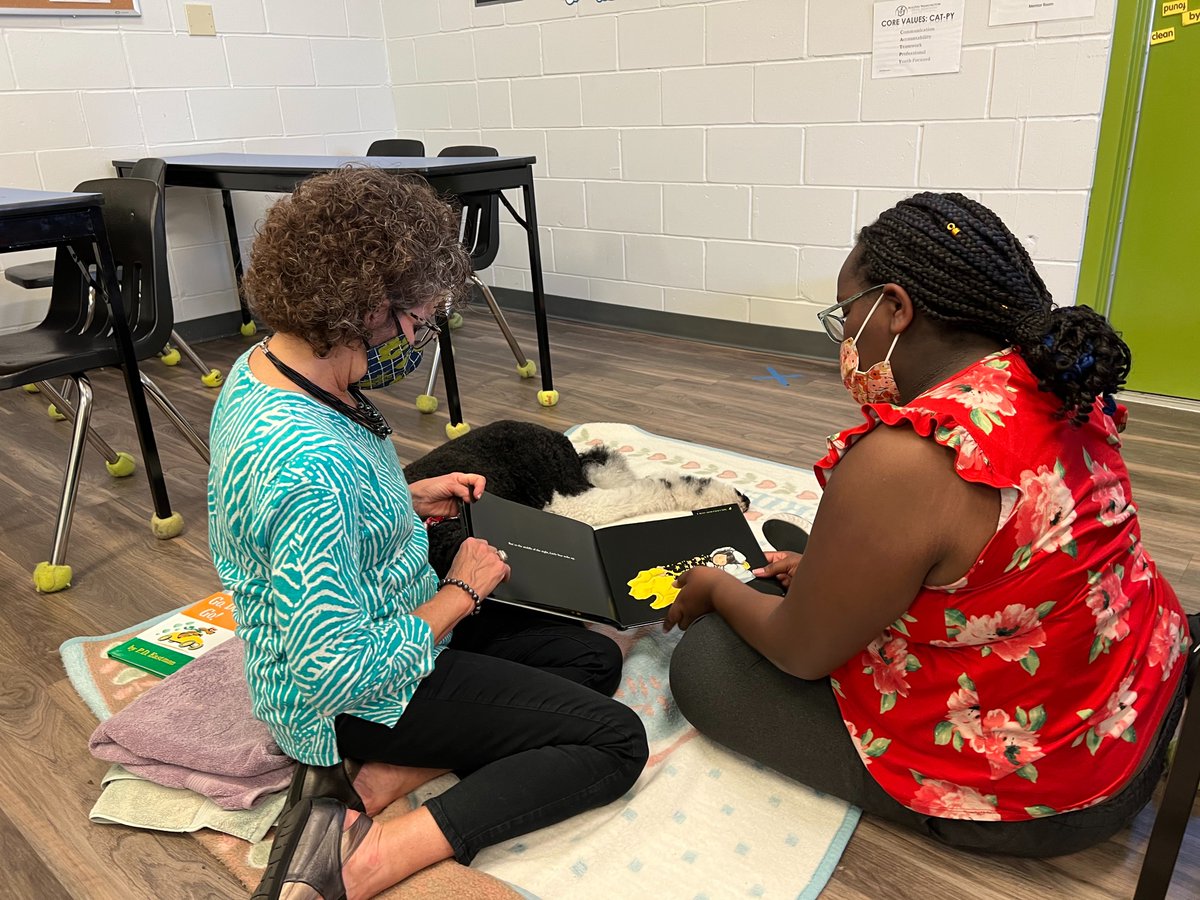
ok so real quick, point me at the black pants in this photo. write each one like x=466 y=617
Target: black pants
x=740 y=699
x=519 y=707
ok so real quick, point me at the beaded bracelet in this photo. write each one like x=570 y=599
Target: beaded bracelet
x=458 y=583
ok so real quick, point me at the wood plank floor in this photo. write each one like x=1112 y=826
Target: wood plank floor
x=695 y=392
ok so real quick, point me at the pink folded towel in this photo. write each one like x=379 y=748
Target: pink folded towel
x=196 y=731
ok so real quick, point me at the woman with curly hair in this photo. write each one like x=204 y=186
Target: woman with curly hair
x=351 y=642
x=974 y=643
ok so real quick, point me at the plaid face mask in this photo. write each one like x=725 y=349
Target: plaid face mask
x=389 y=362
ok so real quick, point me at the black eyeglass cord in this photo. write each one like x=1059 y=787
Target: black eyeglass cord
x=365 y=414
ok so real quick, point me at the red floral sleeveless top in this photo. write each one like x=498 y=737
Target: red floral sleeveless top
x=1035 y=684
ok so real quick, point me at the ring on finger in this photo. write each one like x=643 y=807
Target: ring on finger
x=503 y=556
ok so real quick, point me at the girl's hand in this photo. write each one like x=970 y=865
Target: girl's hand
x=781 y=564
x=695 y=597
x=440 y=496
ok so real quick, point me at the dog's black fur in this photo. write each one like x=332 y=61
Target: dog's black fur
x=533 y=465
x=522 y=461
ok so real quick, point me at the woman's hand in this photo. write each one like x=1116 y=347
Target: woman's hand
x=781 y=564
x=440 y=496
x=698 y=587
x=478 y=563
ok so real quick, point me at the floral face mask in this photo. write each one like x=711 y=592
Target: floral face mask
x=877 y=384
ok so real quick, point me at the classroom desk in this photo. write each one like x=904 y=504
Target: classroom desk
x=460 y=176
x=31 y=220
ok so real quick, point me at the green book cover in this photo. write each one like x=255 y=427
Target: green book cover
x=179 y=638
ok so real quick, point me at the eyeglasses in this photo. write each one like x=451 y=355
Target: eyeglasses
x=834 y=317
x=424 y=332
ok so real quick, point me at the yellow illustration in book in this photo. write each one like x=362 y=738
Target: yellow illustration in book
x=659 y=582
x=188 y=637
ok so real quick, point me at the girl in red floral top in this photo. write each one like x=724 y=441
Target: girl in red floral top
x=975 y=643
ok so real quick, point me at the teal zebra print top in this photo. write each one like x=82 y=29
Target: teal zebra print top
x=312 y=530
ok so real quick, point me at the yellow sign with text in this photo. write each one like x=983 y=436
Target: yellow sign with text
x=1174 y=7
x=1162 y=36
x=1191 y=17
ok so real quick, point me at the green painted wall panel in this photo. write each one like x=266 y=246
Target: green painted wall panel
x=1155 y=299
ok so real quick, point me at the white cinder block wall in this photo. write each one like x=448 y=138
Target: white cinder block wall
x=716 y=157
x=302 y=76
x=711 y=157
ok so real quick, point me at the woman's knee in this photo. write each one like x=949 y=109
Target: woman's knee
x=603 y=664
x=628 y=747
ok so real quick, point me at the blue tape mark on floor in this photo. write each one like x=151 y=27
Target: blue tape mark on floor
x=775 y=376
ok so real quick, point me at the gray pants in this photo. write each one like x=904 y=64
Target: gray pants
x=740 y=699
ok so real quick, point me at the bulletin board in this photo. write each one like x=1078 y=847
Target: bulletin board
x=70 y=7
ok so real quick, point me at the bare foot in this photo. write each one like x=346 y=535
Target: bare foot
x=380 y=784
x=390 y=852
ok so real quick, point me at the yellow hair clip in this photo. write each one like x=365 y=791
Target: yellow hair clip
x=953 y=229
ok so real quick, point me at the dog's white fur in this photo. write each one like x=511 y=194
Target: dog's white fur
x=619 y=494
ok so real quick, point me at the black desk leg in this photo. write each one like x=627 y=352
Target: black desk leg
x=455 y=428
x=547 y=396
x=235 y=250
x=110 y=295
x=1170 y=825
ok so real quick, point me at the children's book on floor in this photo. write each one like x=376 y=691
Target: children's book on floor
x=621 y=575
x=178 y=639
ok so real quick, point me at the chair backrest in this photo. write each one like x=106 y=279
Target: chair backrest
x=396 y=147
x=468 y=150
x=152 y=169
x=480 y=214
x=135 y=223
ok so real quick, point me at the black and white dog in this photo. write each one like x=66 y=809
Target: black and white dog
x=539 y=467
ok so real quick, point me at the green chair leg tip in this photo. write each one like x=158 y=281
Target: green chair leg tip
x=528 y=370
x=455 y=321
x=48 y=579
x=165 y=529
x=547 y=398
x=123 y=467
x=171 y=357
x=214 y=379
x=248 y=329
x=426 y=404
x=52 y=412
x=456 y=431
x=31 y=388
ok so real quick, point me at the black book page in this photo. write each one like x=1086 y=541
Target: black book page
x=555 y=562
x=651 y=554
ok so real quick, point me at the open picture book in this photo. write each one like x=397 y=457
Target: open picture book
x=620 y=575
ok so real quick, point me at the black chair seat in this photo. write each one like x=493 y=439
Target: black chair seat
x=32 y=275
x=40 y=353
x=39 y=274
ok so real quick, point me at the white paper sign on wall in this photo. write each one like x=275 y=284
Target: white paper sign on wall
x=1010 y=12
x=917 y=39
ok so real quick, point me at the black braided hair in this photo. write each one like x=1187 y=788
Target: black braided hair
x=964 y=269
